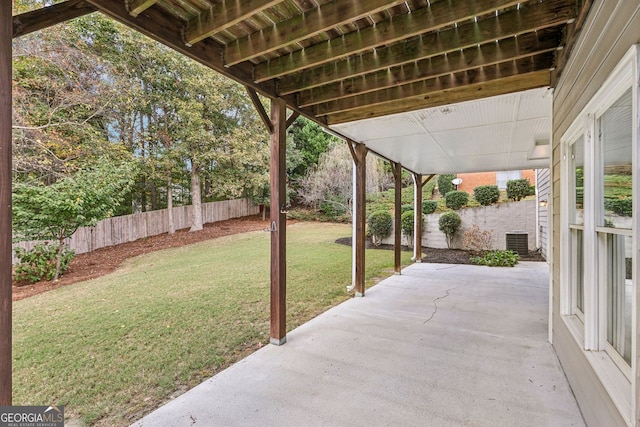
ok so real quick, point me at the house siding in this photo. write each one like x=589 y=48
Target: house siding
x=543 y=185
x=611 y=28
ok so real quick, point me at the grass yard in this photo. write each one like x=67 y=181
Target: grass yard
x=114 y=348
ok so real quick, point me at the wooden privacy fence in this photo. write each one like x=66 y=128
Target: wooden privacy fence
x=127 y=228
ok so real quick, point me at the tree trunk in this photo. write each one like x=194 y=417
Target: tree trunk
x=154 y=195
x=58 y=258
x=196 y=198
x=172 y=225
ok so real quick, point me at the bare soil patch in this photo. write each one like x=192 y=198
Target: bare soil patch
x=105 y=260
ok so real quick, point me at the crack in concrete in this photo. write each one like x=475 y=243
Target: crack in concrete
x=435 y=305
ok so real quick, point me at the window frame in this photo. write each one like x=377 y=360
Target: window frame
x=589 y=328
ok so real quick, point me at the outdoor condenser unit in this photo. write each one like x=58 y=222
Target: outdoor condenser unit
x=518 y=241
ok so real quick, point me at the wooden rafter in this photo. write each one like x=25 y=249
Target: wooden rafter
x=303 y=26
x=532 y=18
x=292 y=118
x=257 y=104
x=435 y=17
x=422 y=88
x=136 y=7
x=39 y=19
x=487 y=88
x=222 y=16
x=457 y=61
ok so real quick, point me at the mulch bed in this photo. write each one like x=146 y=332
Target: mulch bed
x=440 y=256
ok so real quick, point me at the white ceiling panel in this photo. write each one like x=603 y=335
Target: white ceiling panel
x=491 y=134
x=397 y=125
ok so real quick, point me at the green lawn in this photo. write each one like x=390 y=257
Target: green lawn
x=114 y=348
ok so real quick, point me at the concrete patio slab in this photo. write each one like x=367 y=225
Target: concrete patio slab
x=439 y=345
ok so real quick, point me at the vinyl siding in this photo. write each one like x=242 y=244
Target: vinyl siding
x=610 y=30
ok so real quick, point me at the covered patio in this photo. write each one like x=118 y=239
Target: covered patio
x=438 y=345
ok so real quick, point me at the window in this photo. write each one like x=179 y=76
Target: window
x=576 y=224
x=599 y=226
x=503 y=177
x=615 y=218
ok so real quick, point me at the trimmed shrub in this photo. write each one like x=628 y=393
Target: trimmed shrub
x=429 y=206
x=407 y=207
x=456 y=199
x=486 y=194
x=40 y=262
x=406 y=221
x=518 y=189
x=497 y=258
x=449 y=224
x=444 y=183
x=622 y=207
x=380 y=225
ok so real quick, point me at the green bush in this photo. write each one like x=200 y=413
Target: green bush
x=40 y=262
x=449 y=223
x=456 y=199
x=407 y=207
x=429 y=206
x=497 y=258
x=406 y=221
x=334 y=208
x=622 y=207
x=444 y=183
x=486 y=194
x=380 y=225
x=518 y=189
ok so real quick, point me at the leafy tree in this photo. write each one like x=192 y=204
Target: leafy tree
x=61 y=104
x=449 y=223
x=444 y=183
x=331 y=181
x=55 y=212
x=306 y=142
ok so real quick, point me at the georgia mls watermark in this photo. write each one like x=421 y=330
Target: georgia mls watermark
x=31 y=416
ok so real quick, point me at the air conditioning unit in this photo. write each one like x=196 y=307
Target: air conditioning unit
x=518 y=241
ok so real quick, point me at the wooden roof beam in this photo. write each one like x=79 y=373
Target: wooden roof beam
x=485 y=89
x=303 y=26
x=420 y=21
x=456 y=61
x=423 y=88
x=136 y=7
x=222 y=16
x=529 y=18
x=45 y=17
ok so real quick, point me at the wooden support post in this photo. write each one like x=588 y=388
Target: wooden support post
x=396 y=168
x=417 y=218
x=5 y=203
x=278 y=223
x=359 y=153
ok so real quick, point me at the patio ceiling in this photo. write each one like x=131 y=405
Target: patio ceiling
x=505 y=132
x=343 y=61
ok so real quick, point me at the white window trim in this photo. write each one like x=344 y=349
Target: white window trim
x=621 y=382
